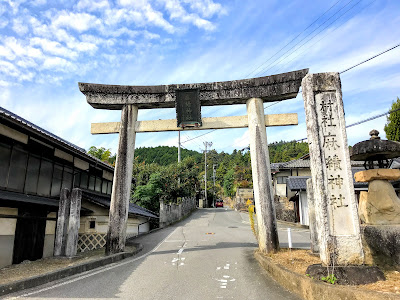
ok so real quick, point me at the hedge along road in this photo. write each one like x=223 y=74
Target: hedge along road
x=207 y=256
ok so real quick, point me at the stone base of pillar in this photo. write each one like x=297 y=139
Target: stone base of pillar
x=348 y=275
x=381 y=244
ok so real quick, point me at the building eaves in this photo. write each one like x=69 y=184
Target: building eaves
x=21 y=122
x=297 y=183
x=105 y=200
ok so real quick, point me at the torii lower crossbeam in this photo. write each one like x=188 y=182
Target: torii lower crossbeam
x=252 y=92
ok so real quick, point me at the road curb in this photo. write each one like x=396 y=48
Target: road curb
x=66 y=272
x=310 y=289
x=293 y=224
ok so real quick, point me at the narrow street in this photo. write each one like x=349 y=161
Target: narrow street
x=207 y=256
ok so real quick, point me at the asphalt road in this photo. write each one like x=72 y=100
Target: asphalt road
x=207 y=256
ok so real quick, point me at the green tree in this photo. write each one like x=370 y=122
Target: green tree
x=392 y=127
x=229 y=180
x=103 y=154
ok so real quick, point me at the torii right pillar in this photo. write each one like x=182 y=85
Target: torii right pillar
x=336 y=210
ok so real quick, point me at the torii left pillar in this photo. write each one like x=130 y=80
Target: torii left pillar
x=130 y=98
x=116 y=234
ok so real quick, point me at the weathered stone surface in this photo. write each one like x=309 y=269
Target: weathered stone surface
x=62 y=223
x=116 y=234
x=380 y=205
x=268 y=88
x=383 y=242
x=311 y=217
x=207 y=123
x=171 y=212
x=348 y=275
x=335 y=204
x=373 y=174
x=260 y=165
x=73 y=222
x=375 y=149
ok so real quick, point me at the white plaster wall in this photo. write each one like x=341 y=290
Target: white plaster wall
x=49 y=235
x=281 y=190
x=303 y=208
x=304 y=172
x=7 y=233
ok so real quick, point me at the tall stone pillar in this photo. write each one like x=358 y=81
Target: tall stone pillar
x=335 y=204
x=311 y=217
x=262 y=183
x=73 y=223
x=62 y=223
x=121 y=189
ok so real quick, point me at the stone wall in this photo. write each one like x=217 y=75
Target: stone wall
x=284 y=209
x=172 y=212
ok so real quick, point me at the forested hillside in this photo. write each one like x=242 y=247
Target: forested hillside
x=164 y=155
x=157 y=174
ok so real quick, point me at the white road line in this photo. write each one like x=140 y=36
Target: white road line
x=96 y=272
x=180 y=251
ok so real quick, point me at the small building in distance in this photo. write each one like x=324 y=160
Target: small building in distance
x=34 y=166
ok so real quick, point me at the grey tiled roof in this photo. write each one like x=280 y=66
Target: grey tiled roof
x=304 y=163
x=395 y=163
x=297 y=183
x=6 y=114
x=104 y=200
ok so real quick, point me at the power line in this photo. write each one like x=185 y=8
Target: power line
x=274 y=63
x=292 y=39
x=328 y=33
x=364 y=121
x=371 y=58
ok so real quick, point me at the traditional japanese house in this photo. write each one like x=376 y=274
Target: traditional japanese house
x=34 y=166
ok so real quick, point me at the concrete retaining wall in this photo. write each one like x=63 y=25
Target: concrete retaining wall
x=311 y=289
x=172 y=212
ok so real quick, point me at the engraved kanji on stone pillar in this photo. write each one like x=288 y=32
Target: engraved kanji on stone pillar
x=335 y=203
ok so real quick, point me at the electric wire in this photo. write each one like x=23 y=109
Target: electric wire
x=364 y=121
x=371 y=58
x=292 y=40
x=276 y=62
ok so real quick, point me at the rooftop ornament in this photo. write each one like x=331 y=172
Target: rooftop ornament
x=375 y=152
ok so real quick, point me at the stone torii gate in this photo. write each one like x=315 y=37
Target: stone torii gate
x=252 y=92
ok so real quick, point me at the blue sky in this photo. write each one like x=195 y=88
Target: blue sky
x=47 y=47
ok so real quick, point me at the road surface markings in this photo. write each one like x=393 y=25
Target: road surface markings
x=113 y=266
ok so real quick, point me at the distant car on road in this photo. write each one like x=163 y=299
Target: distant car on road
x=219 y=203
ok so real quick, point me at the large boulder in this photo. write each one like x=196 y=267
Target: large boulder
x=380 y=205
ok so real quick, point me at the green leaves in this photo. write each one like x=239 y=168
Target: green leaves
x=392 y=127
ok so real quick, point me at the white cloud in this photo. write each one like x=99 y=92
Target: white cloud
x=206 y=8
x=38 y=2
x=78 y=21
x=21 y=48
x=52 y=47
x=15 y=4
x=92 y=5
x=177 y=11
x=4 y=83
x=19 y=27
x=141 y=13
x=58 y=63
x=3 y=22
x=7 y=53
x=26 y=62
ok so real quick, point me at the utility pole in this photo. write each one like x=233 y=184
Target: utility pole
x=206 y=144
x=214 y=173
x=179 y=146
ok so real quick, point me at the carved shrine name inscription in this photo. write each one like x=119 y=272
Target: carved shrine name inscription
x=339 y=188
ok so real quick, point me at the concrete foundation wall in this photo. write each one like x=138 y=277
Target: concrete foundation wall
x=170 y=213
x=48 y=248
x=7 y=233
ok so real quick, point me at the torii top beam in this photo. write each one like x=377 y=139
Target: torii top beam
x=269 y=88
